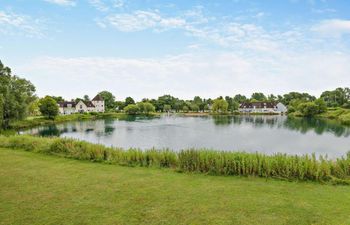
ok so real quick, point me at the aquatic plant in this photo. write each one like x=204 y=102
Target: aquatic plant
x=282 y=166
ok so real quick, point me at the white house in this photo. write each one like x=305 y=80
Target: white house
x=96 y=105
x=262 y=107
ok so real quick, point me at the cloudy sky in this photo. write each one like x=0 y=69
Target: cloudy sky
x=146 y=48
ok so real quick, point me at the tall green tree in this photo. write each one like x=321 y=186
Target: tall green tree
x=258 y=96
x=48 y=107
x=129 y=101
x=220 y=105
x=86 y=98
x=17 y=94
x=109 y=99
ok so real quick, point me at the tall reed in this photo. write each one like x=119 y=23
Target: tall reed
x=283 y=166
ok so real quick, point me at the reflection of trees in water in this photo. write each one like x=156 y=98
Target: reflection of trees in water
x=319 y=126
x=302 y=125
x=51 y=130
x=98 y=127
x=222 y=120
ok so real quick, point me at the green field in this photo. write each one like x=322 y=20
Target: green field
x=42 y=189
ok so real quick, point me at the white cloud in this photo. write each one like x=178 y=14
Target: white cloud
x=142 y=20
x=333 y=28
x=62 y=2
x=99 y=5
x=118 y=3
x=15 y=24
x=187 y=75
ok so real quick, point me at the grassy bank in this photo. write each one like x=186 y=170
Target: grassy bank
x=279 y=166
x=339 y=114
x=40 y=121
x=42 y=189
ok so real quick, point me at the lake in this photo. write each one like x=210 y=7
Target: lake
x=267 y=134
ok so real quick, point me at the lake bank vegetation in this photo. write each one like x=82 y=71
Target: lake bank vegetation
x=45 y=189
x=21 y=108
x=280 y=166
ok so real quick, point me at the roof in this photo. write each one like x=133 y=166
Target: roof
x=89 y=104
x=97 y=98
x=65 y=104
x=258 y=105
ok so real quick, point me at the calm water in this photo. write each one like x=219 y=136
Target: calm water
x=267 y=134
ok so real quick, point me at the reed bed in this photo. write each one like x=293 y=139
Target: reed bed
x=281 y=166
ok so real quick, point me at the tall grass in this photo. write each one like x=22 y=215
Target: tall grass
x=282 y=166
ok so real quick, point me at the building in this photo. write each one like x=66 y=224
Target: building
x=262 y=107
x=96 y=105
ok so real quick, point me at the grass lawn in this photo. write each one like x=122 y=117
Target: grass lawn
x=42 y=189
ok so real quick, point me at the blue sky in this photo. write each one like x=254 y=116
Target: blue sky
x=184 y=48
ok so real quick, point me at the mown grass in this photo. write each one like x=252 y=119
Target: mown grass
x=43 y=189
x=281 y=166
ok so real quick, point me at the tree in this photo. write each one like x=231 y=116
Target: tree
x=321 y=104
x=129 y=101
x=16 y=94
x=258 y=96
x=86 y=98
x=194 y=107
x=148 y=108
x=131 y=109
x=308 y=109
x=167 y=108
x=304 y=97
x=240 y=98
x=337 y=97
x=109 y=99
x=119 y=105
x=185 y=108
x=220 y=105
x=48 y=107
x=33 y=108
x=58 y=98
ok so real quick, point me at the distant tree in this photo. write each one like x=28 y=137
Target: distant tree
x=258 y=96
x=109 y=99
x=337 y=97
x=78 y=100
x=321 y=105
x=86 y=98
x=119 y=105
x=272 y=98
x=240 y=98
x=167 y=108
x=129 y=101
x=131 y=109
x=58 y=98
x=16 y=94
x=48 y=107
x=304 y=97
x=165 y=100
x=1 y=111
x=148 y=108
x=185 y=108
x=33 y=108
x=308 y=109
x=220 y=105
x=194 y=107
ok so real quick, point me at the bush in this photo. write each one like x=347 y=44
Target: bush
x=132 y=109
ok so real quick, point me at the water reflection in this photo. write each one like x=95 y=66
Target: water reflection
x=267 y=134
x=303 y=125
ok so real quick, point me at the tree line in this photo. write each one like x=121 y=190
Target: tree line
x=18 y=100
